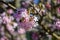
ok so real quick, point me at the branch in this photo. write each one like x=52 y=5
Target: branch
x=8 y=4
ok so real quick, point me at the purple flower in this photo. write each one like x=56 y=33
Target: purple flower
x=56 y=24
x=24 y=20
x=20 y=14
x=35 y=36
x=25 y=4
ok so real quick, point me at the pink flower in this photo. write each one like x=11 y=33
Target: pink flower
x=58 y=10
x=58 y=24
x=4 y=38
x=58 y=1
x=21 y=31
x=10 y=28
x=10 y=11
x=27 y=24
x=48 y=5
x=6 y=19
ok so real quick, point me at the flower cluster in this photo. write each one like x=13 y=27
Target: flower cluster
x=30 y=19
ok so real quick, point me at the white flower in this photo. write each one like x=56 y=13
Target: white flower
x=43 y=10
x=11 y=17
x=36 y=24
x=35 y=18
x=15 y=25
